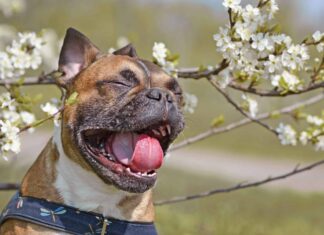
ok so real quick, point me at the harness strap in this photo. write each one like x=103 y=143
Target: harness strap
x=69 y=219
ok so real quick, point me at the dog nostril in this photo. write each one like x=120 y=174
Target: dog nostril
x=154 y=94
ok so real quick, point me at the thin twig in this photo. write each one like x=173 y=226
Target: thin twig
x=238 y=108
x=275 y=93
x=240 y=186
x=245 y=121
x=41 y=121
x=196 y=73
x=9 y=186
x=45 y=79
x=230 y=16
x=262 y=3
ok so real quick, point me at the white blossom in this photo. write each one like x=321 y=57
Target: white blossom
x=222 y=38
x=286 y=134
x=25 y=51
x=252 y=105
x=244 y=30
x=27 y=117
x=49 y=108
x=282 y=39
x=272 y=8
x=233 y=4
x=160 y=53
x=190 y=101
x=304 y=138
x=30 y=39
x=248 y=60
x=317 y=36
x=223 y=79
x=22 y=54
x=225 y=44
x=10 y=141
x=6 y=67
x=319 y=146
x=262 y=42
x=291 y=80
x=7 y=102
x=10 y=115
x=314 y=120
x=320 y=47
x=273 y=64
x=251 y=15
x=295 y=56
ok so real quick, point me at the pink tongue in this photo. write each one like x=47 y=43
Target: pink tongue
x=141 y=153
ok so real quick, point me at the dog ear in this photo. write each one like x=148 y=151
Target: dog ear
x=77 y=53
x=128 y=50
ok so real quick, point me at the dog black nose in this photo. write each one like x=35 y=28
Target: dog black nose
x=158 y=95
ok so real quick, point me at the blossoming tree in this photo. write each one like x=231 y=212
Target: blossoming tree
x=258 y=60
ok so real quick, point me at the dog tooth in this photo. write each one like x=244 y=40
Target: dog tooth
x=168 y=129
x=128 y=169
x=144 y=174
x=162 y=130
x=156 y=132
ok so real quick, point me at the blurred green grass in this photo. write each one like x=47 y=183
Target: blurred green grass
x=246 y=212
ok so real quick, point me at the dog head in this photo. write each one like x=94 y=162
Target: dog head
x=126 y=114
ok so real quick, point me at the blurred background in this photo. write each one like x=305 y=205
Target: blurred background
x=293 y=206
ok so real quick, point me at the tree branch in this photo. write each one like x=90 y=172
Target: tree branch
x=240 y=186
x=245 y=121
x=274 y=93
x=192 y=73
x=41 y=121
x=9 y=186
x=197 y=73
x=238 y=108
x=45 y=79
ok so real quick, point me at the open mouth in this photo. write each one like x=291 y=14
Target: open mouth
x=134 y=153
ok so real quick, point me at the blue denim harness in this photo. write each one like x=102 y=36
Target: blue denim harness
x=70 y=220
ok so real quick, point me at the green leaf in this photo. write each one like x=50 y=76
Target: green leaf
x=275 y=114
x=72 y=99
x=217 y=121
x=275 y=28
x=202 y=68
x=297 y=114
x=172 y=58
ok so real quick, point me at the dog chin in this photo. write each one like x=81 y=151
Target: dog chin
x=127 y=182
